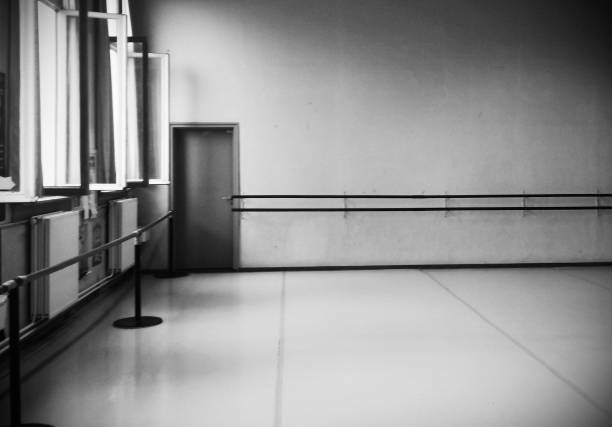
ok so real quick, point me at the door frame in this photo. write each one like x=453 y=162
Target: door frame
x=235 y=128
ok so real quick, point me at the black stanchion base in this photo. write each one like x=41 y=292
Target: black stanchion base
x=135 y=322
x=170 y=275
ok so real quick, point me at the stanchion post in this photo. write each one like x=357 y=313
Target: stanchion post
x=15 y=357
x=138 y=320
x=171 y=269
x=137 y=287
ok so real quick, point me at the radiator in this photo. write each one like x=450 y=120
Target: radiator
x=122 y=220
x=55 y=238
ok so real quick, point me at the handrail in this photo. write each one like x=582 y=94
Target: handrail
x=431 y=209
x=414 y=196
x=26 y=278
x=445 y=208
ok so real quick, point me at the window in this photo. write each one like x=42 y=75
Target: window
x=21 y=112
x=159 y=122
x=108 y=161
x=93 y=104
x=62 y=142
x=137 y=138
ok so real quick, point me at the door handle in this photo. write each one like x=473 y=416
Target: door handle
x=226 y=198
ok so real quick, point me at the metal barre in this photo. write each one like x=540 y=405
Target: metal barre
x=414 y=196
x=522 y=196
x=432 y=209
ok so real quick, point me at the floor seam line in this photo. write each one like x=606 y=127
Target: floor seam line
x=565 y=273
x=280 y=357
x=522 y=347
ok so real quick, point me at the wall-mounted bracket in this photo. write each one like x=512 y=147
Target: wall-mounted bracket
x=445 y=206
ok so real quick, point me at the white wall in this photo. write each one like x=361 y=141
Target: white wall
x=401 y=96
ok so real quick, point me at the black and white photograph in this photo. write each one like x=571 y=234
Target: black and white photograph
x=306 y=213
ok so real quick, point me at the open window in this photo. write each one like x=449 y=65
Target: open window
x=18 y=108
x=82 y=136
x=137 y=111
x=89 y=116
x=159 y=119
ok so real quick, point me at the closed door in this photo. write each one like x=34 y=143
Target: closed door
x=202 y=179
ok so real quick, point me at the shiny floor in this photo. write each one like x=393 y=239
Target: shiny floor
x=489 y=347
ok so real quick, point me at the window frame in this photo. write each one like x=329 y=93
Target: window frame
x=25 y=43
x=120 y=143
x=144 y=155
x=164 y=154
x=83 y=25
x=26 y=46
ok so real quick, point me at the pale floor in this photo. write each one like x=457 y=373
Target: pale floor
x=490 y=347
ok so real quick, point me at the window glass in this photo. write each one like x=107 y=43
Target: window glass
x=112 y=6
x=136 y=139
x=59 y=89
x=19 y=99
x=108 y=109
x=59 y=95
x=159 y=121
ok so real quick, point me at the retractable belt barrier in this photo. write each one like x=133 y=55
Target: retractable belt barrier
x=11 y=288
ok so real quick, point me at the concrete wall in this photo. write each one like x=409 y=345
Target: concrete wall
x=402 y=96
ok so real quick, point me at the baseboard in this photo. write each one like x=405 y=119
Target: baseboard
x=393 y=267
x=428 y=266
x=153 y=270
x=190 y=270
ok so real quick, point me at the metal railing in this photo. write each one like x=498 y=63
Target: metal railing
x=524 y=207
x=11 y=288
x=414 y=196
